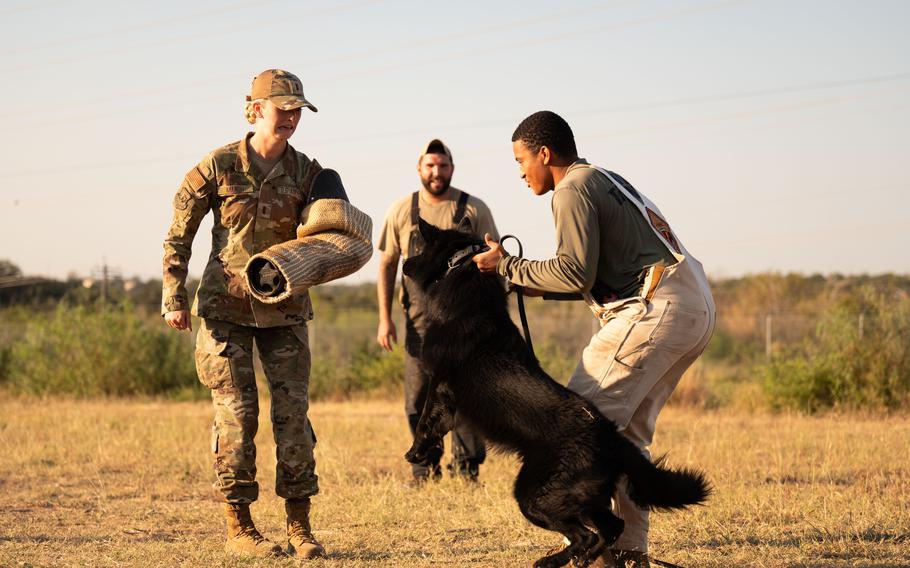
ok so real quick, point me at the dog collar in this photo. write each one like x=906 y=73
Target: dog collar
x=464 y=255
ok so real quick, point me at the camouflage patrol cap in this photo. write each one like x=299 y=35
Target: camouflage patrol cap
x=435 y=146
x=281 y=87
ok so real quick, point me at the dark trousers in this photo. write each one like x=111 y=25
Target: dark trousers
x=468 y=446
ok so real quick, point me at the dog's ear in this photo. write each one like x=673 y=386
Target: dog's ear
x=429 y=232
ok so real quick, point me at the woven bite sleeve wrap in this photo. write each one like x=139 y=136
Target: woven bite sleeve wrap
x=333 y=240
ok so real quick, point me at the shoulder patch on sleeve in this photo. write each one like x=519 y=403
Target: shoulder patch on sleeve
x=195 y=179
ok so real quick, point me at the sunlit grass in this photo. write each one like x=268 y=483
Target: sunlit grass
x=114 y=483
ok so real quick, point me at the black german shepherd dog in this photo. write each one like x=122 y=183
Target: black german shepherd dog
x=479 y=366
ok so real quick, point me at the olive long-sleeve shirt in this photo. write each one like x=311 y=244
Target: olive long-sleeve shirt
x=601 y=238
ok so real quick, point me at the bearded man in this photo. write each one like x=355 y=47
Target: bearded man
x=446 y=207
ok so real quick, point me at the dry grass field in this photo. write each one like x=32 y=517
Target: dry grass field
x=127 y=483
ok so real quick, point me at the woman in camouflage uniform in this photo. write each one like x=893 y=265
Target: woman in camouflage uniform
x=255 y=189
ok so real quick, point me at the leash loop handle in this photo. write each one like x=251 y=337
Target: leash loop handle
x=521 y=302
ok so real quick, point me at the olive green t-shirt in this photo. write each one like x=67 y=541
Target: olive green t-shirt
x=601 y=237
x=264 y=166
x=396 y=230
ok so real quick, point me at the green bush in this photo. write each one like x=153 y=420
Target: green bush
x=5 y=356
x=556 y=361
x=725 y=347
x=848 y=364
x=368 y=369
x=101 y=350
x=13 y=322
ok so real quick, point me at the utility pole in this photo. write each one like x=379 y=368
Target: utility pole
x=104 y=280
x=768 y=338
x=105 y=275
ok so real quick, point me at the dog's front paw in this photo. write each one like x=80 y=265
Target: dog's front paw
x=416 y=456
x=419 y=454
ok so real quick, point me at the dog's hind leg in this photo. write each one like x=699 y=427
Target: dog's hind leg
x=549 y=508
x=609 y=526
x=581 y=540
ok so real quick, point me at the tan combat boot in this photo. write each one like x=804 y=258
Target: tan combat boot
x=301 y=541
x=243 y=538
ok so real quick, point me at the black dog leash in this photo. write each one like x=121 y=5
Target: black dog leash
x=521 y=300
x=464 y=255
x=662 y=563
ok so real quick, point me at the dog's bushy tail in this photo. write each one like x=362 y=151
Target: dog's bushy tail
x=653 y=486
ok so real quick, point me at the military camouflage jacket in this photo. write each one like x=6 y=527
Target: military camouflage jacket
x=253 y=210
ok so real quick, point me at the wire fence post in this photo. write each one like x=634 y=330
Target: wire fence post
x=768 y=335
x=860 y=324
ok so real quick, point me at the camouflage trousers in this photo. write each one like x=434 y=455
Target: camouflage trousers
x=224 y=362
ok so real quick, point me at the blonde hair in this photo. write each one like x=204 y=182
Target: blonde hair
x=248 y=111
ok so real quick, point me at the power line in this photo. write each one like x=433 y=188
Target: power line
x=97 y=166
x=673 y=14
x=195 y=36
x=356 y=55
x=540 y=40
x=124 y=30
x=664 y=126
x=632 y=107
x=749 y=113
x=485 y=30
x=806 y=87
x=27 y=7
x=667 y=103
x=767 y=110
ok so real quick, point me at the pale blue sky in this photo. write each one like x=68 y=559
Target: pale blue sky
x=774 y=134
